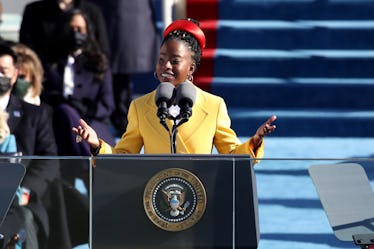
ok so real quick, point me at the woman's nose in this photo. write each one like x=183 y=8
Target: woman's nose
x=167 y=64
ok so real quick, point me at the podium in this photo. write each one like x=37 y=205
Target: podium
x=348 y=199
x=174 y=201
x=11 y=175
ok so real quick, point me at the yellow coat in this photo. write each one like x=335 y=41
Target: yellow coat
x=209 y=125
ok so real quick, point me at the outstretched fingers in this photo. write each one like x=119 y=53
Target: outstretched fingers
x=82 y=131
x=269 y=126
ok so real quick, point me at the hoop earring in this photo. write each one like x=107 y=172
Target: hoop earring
x=155 y=75
x=190 y=77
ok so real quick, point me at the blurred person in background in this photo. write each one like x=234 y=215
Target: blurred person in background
x=78 y=85
x=32 y=128
x=40 y=19
x=1 y=18
x=134 y=46
x=30 y=75
x=66 y=207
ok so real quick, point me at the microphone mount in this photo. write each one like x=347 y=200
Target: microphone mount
x=184 y=96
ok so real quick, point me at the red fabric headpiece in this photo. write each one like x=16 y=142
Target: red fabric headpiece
x=189 y=27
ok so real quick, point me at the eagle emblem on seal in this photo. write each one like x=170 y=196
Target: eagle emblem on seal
x=174 y=199
x=174 y=195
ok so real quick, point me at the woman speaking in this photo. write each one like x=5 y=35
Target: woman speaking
x=178 y=117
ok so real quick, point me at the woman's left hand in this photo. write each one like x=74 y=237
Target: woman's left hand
x=265 y=129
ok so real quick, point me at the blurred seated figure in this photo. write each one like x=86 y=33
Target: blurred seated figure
x=49 y=212
x=30 y=75
x=32 y=128
x=78 y=85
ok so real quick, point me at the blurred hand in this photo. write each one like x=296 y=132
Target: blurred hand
x=25 y=196
x=265 y=129
x=85 y=132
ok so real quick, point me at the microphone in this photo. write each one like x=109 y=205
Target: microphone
x=164 y=98
x=185 y=98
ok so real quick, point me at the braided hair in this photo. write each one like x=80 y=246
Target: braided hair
x=189 y=39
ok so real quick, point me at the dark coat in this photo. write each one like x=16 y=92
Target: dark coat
x=39 y=25
x=60 y=209
x=133 y=35
x=92 y=99
x=95 y=95
x=32 y=128
x=69 y=215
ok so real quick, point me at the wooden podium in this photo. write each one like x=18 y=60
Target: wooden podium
x=173 y=201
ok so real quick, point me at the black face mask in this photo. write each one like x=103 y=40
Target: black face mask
x=76 y=40
x=5 y=85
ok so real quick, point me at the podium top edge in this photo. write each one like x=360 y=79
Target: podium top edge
x=175 y=156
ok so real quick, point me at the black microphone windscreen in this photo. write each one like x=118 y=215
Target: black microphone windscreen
x=164 y=92
x=186 y=92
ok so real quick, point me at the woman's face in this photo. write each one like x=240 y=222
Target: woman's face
x=25 y=72
x=78 y=24
x=175 y=62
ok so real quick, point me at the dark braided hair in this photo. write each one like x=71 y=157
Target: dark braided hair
x=189 y=39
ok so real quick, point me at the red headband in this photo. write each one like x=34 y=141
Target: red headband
x=189 y=27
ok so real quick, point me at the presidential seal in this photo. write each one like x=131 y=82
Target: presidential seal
x=174 y=199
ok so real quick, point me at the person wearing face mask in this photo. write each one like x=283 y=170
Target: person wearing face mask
x=78 y=85
x=209 y=124
x=30 y=76
x=40 y=21
x=32 y=128
x=5 y=84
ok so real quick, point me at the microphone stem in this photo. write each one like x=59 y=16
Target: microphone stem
x=173 y=139
x=182 y=121
x=163 y=122
x=173 y=134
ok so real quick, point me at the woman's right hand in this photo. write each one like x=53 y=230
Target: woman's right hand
x=84 y=131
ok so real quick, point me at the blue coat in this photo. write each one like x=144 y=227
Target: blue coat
x=8 y=145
